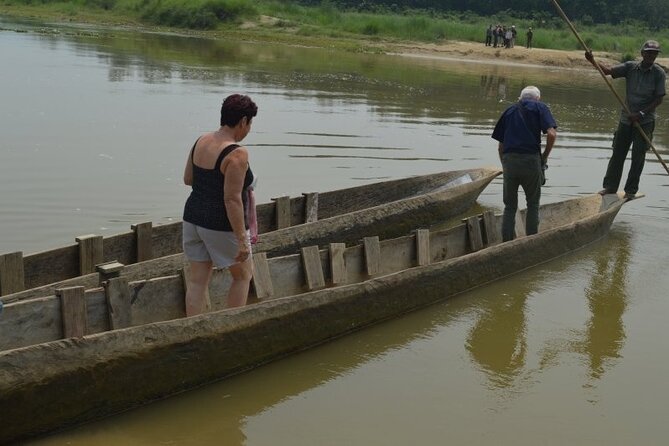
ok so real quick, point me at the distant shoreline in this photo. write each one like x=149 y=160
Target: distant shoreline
x=451 y=50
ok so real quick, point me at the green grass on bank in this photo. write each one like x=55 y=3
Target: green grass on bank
x=329 y=21
x=188 y=14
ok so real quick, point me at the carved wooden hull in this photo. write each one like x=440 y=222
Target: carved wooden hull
x=387 y=209
x=59 y=383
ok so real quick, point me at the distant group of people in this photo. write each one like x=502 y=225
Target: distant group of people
x=502 y=36
x=518 y=132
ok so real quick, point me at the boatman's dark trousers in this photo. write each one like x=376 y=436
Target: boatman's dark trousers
x=625 y=136
x=522 y=170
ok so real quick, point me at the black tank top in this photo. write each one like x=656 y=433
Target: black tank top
x=205 y=206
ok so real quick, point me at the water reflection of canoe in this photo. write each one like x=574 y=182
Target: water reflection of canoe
x=387 y=209
x=305 y=299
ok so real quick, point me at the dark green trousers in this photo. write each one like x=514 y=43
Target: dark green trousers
x=625 y=136
x=521 y=170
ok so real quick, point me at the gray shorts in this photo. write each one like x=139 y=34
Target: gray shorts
x=204 y=245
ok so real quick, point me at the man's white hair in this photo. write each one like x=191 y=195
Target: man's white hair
x=530 y=92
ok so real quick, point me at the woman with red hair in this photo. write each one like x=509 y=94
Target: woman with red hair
x=216 y=217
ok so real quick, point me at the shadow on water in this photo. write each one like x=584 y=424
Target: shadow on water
x=604 y=335
x=498 y=340
x=493 y=87
x=601 y=341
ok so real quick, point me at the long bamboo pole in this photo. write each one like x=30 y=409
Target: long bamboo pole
x=608 y=82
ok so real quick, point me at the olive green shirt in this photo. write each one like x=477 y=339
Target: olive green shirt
x=643 y=87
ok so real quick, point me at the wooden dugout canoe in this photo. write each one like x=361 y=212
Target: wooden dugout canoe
x=387 y=209
x=315 y=296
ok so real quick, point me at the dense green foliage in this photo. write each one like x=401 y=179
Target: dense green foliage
x=433 y=21
x=652 y=13
x=206 y=13
x=194 y=14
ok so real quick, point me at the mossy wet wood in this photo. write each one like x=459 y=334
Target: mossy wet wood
x=490 y=230
x=372 y=255
x=310 y=207
x=12 y=277
x=262 y=279
x=423 y=256
x=313 y=268
x=337 y=263
x=109 y=270
x=474 y=233
x=73 y=309
x=90 y=253
x=118 y=303
x=282 y=212
x=143 y=240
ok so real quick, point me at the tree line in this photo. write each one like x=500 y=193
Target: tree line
x=651 y=13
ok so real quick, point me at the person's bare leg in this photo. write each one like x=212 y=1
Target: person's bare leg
x=241 y=280
x=197 y=287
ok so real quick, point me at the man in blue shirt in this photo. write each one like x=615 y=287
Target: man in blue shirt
x=518 y=132
x=645 y=82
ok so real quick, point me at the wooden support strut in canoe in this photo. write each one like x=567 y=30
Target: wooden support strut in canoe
x=310 y=207
x=337 y=263
x=490 y=232
x=144 y=240
x=90 y=252
x=119 y=304
x=483 y=230
x=109 y=270
x=423 y=255
x=313 y=268
x=474 y=233
x=282 y=212
x=11 y=273
x=372 y=255
x=262 y=280
x=73 y=304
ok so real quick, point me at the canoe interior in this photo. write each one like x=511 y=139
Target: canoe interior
x=145 y=243
x=123 y=303
x=88 y=377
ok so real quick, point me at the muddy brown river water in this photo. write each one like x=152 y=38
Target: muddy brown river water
x=96 y=127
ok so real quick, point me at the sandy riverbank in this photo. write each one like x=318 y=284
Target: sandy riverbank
x=517 y=55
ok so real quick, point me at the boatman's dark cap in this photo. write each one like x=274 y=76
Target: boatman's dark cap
x=651 y=45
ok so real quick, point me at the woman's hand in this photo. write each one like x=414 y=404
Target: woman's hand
x=244 y=251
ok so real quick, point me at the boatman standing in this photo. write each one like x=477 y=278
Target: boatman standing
x=645 y=89
x=518 y=132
